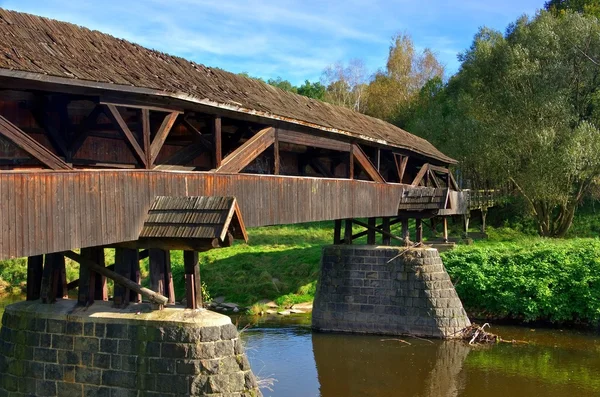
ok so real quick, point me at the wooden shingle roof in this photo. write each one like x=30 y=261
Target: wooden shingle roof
x=203 y=217
x=35 y=45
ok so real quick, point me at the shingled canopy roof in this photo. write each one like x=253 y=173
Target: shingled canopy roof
x=33 y=45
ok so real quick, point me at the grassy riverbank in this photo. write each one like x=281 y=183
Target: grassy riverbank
x=511 y=275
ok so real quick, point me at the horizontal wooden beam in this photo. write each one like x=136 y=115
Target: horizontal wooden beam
x=31 y=146
x=299 y=138
x=366 y=164
x=134 y=105
x=442 y=170
x=249 y=151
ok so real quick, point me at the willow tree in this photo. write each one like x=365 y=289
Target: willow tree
x=530 y=101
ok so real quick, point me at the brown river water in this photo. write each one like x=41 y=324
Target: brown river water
x=300 y=363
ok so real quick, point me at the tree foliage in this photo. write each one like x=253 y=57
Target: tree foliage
x=346 y=84
x=558 y=7
x=391 y=93
x=525 y=107
x=314 y=90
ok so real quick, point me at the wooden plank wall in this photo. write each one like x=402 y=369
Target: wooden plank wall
x=44 y=212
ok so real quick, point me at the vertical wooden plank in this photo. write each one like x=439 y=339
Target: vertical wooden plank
x=35 y=268
x=351 y=163
x=337 y=232
x=405 y=231
x=419 y=230
x=3 y=209
x=136 y=276
x=192 y=268
x=156 y=258
x=85 y=295
x=52 y=278
x=216 y=130
x=124 y=258
x=276 y=153
x=169 y=287
x=146 y=137
x=386 y=240
x=348 y=231
x=445 y=221
x=370 y=232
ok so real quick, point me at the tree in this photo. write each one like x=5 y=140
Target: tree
x=525 y=107
x=283 y=84
x=590 y=7
x=314 y=90
x=392 y=91
x=345 y=84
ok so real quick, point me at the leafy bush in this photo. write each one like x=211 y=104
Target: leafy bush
x=550 y=280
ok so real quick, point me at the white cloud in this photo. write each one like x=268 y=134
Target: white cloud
x=293 y=39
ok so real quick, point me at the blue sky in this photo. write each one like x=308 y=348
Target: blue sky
x=293 y=39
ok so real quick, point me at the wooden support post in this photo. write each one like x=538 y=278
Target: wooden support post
x=217 y=139
x=351 y=164
x=136 y=277
x=118 y=279
x=54 y=280
x=157 y=270
x=161 y=277
x=419 y=230
x=46 y=288
x=337 y=232
x=445 y=220
x=484 y=212
x=348 y=231
x=405 y=231
x=92 y=286
x=125 y=258
x=35 y=268
x=466 y=218
x=277 y=165
x=147 y=137
x=371 y=232
x=385 y=239
x=169 y=287
x=193 y=283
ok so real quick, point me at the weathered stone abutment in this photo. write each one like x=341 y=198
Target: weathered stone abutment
x=386 y=290
x=62 y=350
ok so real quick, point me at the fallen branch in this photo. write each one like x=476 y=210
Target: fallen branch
x=398 y=340
x=476 y=335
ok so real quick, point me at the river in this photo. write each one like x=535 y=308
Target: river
x=300 y=363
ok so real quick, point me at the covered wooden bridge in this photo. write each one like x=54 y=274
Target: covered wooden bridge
x=94 y=130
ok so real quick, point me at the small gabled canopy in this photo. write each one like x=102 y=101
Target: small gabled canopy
x=196 y=223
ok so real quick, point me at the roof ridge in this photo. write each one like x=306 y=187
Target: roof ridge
x=29 y=40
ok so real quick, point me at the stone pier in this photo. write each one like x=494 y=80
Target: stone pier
x=386 y=290
x=64 y=350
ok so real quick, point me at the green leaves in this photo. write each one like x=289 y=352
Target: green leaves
x=525 y=108
x=550 y=281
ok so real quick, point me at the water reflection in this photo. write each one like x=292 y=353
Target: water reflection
x=554 y=364
x=378 y=366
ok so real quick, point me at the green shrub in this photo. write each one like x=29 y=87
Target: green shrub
x=550 y=280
